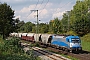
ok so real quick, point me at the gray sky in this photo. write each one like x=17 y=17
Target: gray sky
x=48 y=9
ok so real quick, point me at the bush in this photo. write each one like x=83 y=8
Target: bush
x=11 y=50
x=86 y=37
x=71 y=33
x=11 y=46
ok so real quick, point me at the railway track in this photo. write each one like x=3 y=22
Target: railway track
x=51 y=56
x=81 y=56
x=84 y=55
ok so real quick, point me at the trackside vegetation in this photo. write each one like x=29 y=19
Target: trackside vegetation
x=86 y=42
x=86 y=45
x=11 y=50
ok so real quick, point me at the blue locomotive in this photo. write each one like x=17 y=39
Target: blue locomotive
x=70 y=43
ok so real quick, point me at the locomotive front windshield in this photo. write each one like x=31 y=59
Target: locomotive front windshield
x=75 y=40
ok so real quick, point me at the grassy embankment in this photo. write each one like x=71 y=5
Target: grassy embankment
x=86 y=42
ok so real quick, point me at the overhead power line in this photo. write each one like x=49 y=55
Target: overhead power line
x=36 y=4
x=66 y=4
x=41 y=3
x=44 y=6
x=34 y=8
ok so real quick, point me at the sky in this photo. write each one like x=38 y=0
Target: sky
x=47 y=9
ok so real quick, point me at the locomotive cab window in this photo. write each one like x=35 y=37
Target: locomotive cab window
x=74 y=40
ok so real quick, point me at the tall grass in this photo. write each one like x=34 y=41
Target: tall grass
x=86 y=42
x=85 y=45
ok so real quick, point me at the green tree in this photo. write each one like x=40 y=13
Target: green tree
x=7 y=23
x=51 y=26
x=81 y=24
x=55 y=26
x=78 y=19
x=64 y=23
x=27 y=27
x=19 y=26
x=43 y=28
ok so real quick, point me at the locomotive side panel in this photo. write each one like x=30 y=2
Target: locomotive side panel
x=60 y=41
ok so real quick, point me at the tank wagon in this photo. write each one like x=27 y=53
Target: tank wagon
x=65 y=42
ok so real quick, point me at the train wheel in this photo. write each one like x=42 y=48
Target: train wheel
x=66 y=50
x=63 y=49
x=71 y=51
x=60 y=48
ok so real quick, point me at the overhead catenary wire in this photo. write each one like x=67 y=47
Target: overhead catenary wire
x=36 y=5
x=34 y=8
x=41 y=3
x=64 y=5
x=44 y=6
x=56 y=9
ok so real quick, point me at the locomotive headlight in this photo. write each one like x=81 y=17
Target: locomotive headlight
x=71 y=45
